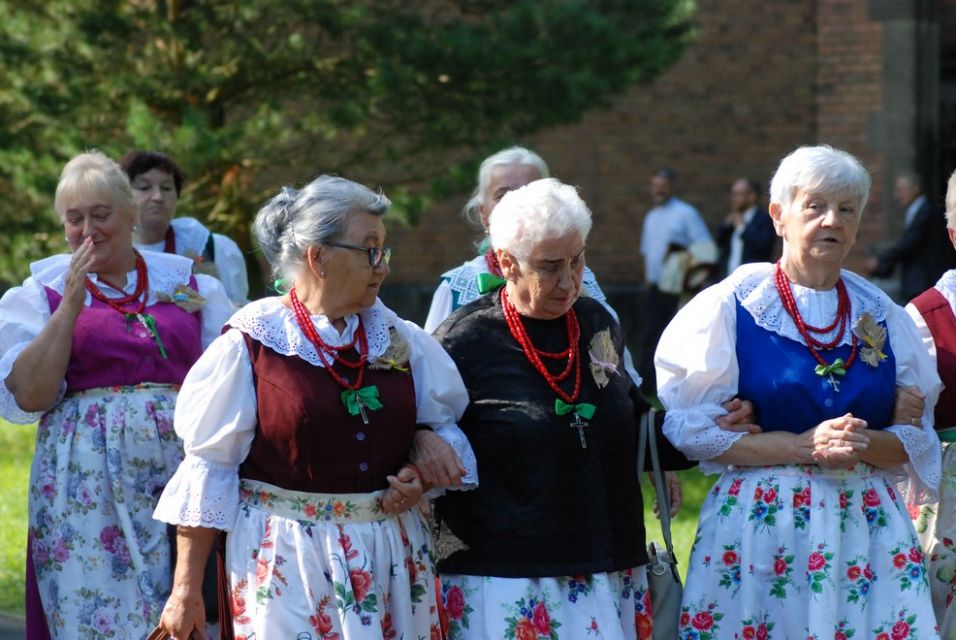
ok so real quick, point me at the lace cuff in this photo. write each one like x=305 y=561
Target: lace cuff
x=201 y=494
x=918 y=480
x=696 y=434
x=9 y=409
x=456 y=438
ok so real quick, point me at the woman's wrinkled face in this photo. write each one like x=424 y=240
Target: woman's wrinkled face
x=348 y=274
x=155 y=195
x=107 y=224
x=501 y=179
x=818 y=226
x=546 y=284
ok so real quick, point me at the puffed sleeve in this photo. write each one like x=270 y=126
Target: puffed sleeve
x=696 y=365
x=441 y=307
x=915 y=367
x=216 y=419
x=216 y=311
x=231 y=266
x=440 y=395
x=24 y=311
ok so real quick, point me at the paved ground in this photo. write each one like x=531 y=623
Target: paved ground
x=11 y=628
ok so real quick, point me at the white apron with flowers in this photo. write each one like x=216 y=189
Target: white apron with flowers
x=611 y=606
x=936 y=528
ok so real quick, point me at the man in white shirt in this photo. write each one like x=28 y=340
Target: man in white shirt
x=671 y=225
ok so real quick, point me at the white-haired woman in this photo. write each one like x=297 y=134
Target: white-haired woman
x=806 y=532
x=94 y=344
x=934 y=312
x=298 y=424
x=499 y=173
x=554 y=535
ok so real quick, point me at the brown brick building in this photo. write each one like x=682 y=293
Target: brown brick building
x=874 y=77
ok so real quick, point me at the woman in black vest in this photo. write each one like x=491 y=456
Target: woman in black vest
x=554 y=533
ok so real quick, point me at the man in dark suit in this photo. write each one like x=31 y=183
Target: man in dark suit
x=746 y=234
x=922 y=251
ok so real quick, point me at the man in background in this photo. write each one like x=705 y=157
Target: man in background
x=671 y=225
x=923 y=251
x=746 y=234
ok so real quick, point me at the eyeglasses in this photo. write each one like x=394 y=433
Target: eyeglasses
x=376 y=255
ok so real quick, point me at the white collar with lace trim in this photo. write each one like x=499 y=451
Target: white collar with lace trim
x=753 y=285
x=946 y=285
x=165 y=271
x=273 y=324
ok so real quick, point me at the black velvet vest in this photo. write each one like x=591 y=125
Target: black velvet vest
x=544 y=506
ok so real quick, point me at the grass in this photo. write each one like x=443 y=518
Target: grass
x=16 y=452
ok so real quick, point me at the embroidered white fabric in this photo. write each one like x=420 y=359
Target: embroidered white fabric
x=273 y=324
x=207 y=492
x=697 y=365
x=755 y=288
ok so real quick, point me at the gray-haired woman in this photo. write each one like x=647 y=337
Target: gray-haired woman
x=298 y=425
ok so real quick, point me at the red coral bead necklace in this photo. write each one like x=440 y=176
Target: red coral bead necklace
x=329 y=354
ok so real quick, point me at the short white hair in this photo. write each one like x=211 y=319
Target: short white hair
x=512 y=155
x=821 y=169
x=538 y=211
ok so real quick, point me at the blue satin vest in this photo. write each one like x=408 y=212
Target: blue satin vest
x=777 y=375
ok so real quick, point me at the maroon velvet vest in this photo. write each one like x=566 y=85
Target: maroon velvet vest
x=305 y=438
x=107 y=352
x=939 y=318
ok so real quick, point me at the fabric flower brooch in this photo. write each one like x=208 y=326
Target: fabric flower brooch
x=604 y=358
x=873 y=335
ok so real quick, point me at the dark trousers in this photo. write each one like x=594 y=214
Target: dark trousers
x=659 y=309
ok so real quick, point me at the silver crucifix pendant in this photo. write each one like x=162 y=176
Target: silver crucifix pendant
x=142 y=321
x=834 y=383
x=579 y=424
x=361 y=407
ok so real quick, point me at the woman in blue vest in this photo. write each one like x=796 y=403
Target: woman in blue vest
x=806 y=532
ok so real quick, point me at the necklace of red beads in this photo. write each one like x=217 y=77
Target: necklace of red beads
x=535 y=355
x=841 y=320
x=139 y=295
x=328 y=354
x=494 y=267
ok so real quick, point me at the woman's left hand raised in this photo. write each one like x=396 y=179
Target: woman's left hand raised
x=404 y=491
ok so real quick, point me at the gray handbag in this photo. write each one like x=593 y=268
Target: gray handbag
x=662 y=577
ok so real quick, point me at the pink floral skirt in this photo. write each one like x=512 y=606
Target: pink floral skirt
x=803 y=552
x=610 y=606
x=335 y=567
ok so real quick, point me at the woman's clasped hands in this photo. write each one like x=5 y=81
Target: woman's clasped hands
x=837 y=443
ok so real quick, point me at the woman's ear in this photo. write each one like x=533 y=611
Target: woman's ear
x=510 y=267
x=776 y=212
x=315 y=256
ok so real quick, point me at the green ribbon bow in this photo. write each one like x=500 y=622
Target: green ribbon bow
x=489 y=282
x=583 y=409
x=838 y=367
x=149 y=323
x=368 y=396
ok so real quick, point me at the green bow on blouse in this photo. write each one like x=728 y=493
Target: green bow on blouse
x=583 y=409
x=367 y=396
x=489 y=282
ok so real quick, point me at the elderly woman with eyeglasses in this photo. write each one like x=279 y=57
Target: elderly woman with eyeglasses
x=299 y=424
x=806 y=533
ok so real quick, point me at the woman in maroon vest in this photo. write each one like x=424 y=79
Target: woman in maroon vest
x=933 y=311
x=95 y=344
x=298 y=425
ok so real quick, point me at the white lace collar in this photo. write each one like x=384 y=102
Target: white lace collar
x=947 y=287
x=754 y=287
x=273 y=324
x=165 y=271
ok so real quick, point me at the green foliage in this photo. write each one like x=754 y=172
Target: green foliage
x=250 y=94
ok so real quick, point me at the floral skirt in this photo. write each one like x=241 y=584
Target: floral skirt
x=102 y=459
x=804 y=552
x=610 y=606
x=335 y=567
x=936 y=528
